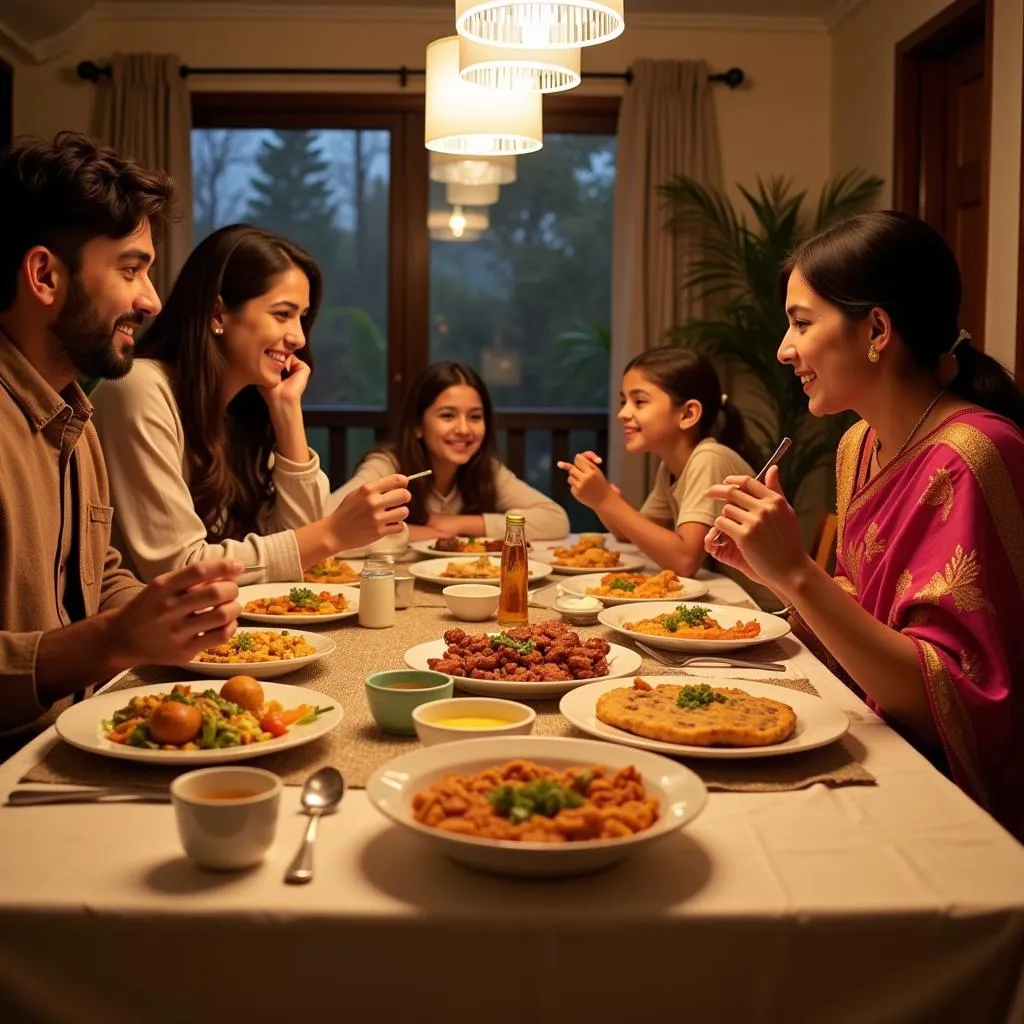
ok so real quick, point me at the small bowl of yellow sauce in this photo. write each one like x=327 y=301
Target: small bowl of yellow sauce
x=464 y=718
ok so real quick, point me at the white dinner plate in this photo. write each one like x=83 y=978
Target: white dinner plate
x=621 y=662
x=261 y=590
x=393 y=786
x=81 y=725
x=430 y=571
x=818 y=723
x=266 y=669
x=355 y=564
x=628 y=560
x=772 y=626
x=581 y=584
x=426 y=547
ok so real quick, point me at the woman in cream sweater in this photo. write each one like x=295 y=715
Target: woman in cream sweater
x=447 y=426
x=204 y=440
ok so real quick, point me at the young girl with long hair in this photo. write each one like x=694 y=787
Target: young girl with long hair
x=447 y=426
x=924 y=612
x=672 y=406
x=204 y=439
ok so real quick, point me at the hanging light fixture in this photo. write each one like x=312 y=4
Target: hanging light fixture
x=457 y=224
x=450 y=168
x=470 y=121
x=498 y=67
x=539 y=24
x=471 y=195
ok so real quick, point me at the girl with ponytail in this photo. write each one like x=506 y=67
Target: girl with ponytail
x=924 y=612
x=671 y=405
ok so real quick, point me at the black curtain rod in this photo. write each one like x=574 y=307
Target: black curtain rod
x=92 y=72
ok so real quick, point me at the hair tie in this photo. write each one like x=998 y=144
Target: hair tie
x=961 y=337
x=725 y=398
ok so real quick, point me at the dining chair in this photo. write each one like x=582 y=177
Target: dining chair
x=824 y=546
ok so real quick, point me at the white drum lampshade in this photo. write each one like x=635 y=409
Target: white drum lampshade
x=450 y=168
x=499 y=67
x=471 y=195
x=539 y=24
x=457 y=225
x=472 y=121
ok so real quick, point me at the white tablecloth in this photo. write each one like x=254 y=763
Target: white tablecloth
x=896 y=902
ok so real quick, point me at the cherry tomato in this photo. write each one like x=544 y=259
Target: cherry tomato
x=274 y=724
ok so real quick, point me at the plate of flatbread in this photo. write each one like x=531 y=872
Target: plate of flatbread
x=746 y=719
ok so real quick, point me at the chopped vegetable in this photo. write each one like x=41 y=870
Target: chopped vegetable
x=620 y=584
x=519 y=646
x=244 y=641
x=303 y=597
x=542 y=796
x=692 y=615
x=699 y=695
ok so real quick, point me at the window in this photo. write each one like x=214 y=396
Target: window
x=527 y=302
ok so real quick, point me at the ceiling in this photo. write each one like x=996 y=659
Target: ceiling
x=40 y=29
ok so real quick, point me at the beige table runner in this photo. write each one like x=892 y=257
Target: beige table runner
x=358 y=746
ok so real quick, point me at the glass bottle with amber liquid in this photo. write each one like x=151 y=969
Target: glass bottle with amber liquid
x=512 y=606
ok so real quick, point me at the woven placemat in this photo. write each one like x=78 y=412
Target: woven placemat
x=358 y=746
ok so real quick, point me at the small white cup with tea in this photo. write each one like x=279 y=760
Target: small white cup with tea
x=227 y=817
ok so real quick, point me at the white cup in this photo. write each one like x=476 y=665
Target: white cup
x=226 y=817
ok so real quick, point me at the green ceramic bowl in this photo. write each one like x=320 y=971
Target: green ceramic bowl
x=392 y=696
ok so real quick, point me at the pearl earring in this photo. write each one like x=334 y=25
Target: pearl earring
x=873 y=355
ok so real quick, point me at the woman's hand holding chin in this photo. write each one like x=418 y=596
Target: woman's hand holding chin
x=286 y=395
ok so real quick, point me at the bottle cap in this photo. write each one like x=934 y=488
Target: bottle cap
x=515 y=519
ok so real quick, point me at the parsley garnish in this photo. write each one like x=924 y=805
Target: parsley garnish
x=519 y=646
x=620 y=584
x=542 y=796
x=303 y=597
x=699 y=695
x=692 y=614
x=244 y=641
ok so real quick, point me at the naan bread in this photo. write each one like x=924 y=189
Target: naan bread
x=743 y=721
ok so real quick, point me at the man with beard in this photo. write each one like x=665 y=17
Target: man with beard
x=75 y=253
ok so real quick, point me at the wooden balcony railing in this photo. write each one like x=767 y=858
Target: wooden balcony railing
x=514 y=424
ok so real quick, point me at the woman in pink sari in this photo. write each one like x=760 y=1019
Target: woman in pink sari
x=926 y=610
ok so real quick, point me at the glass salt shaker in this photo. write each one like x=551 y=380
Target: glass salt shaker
x=377 y=593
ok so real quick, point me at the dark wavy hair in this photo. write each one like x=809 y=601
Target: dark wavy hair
x=227 y=455
x=898 y=263
x=686 y=375
x=475 y=480
x=60 y=194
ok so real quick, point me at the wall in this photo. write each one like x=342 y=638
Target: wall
x=863 y=72
x=779 y=124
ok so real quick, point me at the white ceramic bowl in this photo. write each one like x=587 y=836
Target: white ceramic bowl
x=472 y=602
x=392 y=787
x=567 y=606
x=430 y=728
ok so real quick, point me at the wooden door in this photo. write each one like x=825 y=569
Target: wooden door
x=941 y=148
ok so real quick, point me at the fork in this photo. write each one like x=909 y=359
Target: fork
x=708 y=660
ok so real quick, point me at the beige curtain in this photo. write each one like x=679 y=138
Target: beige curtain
x=143 y=111
x=666 y=127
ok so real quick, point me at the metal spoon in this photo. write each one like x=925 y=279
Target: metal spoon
x=322 y=791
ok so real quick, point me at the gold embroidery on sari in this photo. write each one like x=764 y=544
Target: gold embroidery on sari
x=847 y=463
x=957 y=581
x=953 y=721
x=902 y=586
x=970 y=665
x=845 y=585
x=858 y=555
x=939 y=491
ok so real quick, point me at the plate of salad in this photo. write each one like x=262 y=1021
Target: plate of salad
x=186 y=723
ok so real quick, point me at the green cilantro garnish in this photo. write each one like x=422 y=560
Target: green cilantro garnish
x=542 y=796
x=519 y=646
x=318 y=570
x=692 y=614
x=244 y=641
x=303 y=597
x=620 y=584
x=699 y=695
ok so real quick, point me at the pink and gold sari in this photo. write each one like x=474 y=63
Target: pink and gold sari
x=933 y=545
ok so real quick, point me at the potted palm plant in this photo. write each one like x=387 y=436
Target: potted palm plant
x=736 y=269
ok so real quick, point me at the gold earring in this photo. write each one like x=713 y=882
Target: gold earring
x=873 y=355
x=218 y=331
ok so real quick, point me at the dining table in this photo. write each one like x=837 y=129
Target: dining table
x=869 y=890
